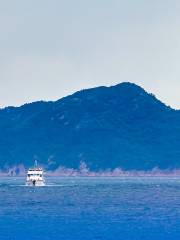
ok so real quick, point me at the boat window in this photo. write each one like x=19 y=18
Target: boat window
x=35 y=175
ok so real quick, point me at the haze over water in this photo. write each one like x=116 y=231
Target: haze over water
x=91 y=208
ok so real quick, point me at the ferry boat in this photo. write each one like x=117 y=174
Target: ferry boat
x=35 y=176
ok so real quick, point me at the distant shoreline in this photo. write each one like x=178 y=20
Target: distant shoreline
x=113 y=174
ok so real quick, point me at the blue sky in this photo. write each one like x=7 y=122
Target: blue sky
x=51 y=48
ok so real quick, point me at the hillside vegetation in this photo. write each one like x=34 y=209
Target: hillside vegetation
x=105 y=127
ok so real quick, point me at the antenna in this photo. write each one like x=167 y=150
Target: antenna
x=35 y=163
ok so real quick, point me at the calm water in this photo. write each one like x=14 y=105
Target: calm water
x=91 y=208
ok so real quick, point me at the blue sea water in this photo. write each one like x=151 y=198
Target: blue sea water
x=91 y=208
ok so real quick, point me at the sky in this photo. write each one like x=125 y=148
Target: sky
x=52 y=48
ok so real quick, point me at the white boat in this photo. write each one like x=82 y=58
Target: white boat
x=35 y=177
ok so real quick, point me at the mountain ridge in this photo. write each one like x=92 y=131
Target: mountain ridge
x=88 y=89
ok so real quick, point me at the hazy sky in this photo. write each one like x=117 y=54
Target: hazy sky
x=51 y=48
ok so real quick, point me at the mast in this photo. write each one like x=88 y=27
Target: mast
x=35 y=164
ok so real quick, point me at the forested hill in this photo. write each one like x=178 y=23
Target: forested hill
x=105 y=127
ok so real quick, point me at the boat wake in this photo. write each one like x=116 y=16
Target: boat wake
x=47 y=185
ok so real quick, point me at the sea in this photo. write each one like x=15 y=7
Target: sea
x=91 y=208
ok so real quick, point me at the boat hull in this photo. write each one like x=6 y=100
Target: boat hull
x=36 y=183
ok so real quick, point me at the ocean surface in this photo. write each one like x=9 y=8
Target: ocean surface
x=78 y=208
